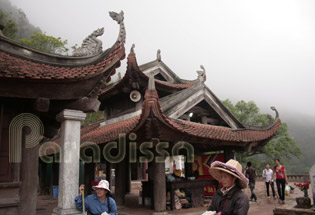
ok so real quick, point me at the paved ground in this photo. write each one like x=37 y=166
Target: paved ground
x=263 y=206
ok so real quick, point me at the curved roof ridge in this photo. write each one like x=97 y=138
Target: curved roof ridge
x=272 y=122
x=19 y=50
x=15 y=67
x=110 y=132
x=157 y=62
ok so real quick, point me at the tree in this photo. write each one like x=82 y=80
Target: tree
x=93 y=117
x=46 y=43
x=280 y=146
x=10 y=27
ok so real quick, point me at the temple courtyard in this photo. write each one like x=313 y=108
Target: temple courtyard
x=263 y=206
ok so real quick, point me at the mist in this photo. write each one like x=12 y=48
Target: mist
x=261 y=51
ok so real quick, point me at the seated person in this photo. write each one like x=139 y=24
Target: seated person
x=99 y=203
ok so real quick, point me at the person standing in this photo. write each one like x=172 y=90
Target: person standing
x=267 y=174
x=251 y=175
x=281 y=179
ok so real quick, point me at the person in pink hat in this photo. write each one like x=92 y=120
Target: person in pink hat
x=230 y=199
x=99 y=203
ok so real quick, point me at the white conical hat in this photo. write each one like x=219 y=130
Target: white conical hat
x=102 y=184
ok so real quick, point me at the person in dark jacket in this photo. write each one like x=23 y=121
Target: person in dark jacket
x=251 y=174
x=230 y=199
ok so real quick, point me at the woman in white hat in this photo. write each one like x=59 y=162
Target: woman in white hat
x=230 y=199
x=98 y=203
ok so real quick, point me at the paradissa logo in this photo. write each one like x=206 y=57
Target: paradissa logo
x=145 y=149
x=37 y=130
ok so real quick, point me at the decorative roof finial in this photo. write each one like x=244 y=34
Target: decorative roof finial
x=201 y=74
x=274 y=109
x=132 y=50
x=158 y=55
x=119 y=17
x=90 y=45
x=151 y=85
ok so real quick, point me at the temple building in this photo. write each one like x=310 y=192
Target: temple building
x=157 y=114
x=150 y=114
x=41 y=93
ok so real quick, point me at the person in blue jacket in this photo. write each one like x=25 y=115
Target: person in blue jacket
x=98 y=203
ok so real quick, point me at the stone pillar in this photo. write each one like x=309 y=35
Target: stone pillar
x=159 y=186
x=312 y=177
x=69 y=163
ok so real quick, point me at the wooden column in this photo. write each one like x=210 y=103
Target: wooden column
x=128 y=172
x=29 y=179
x=120 y=178
x=55 y=174
x=109 y=173
x=89 y=172
x=159 y=185
x=188 y=169
x=42 y=177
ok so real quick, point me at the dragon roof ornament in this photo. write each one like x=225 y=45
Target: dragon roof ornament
x=92 y=46
x=201 y=74
x=272 y=121
x=119 y=17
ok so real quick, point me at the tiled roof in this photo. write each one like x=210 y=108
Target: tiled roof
x=14 y=67
x=151 y=105
x=88 y=128
x=109 y=132
x=223 y=133
x=132 y=67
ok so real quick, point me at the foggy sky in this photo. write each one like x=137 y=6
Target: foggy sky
x=261 y=51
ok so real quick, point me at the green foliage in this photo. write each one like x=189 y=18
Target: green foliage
x=23 y=27
x=93 y=117
x=10 y=26
x=46 y=43
x=247 y=113
x=282 y=145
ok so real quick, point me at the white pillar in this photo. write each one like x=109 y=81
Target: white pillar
x=69 y=163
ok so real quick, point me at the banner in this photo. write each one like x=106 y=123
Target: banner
x=202 y=165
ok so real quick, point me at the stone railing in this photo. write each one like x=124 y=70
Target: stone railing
x=292 y=178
